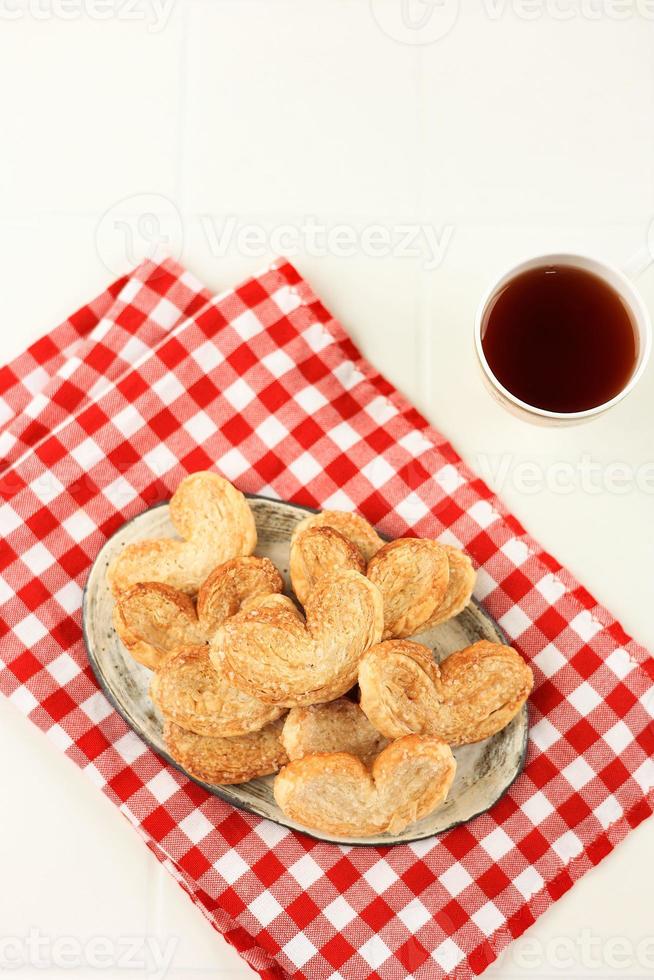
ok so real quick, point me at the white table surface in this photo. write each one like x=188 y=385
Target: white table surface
x=523 y=129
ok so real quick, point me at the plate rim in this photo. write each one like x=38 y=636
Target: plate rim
x=216 y=790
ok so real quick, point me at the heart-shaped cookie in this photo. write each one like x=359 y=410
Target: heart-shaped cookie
x=354 y=529
x=316 y=552
x=412 y=575
x=271 y=652
x=215 y=522
x=459 y=587
x=338 y=726
x=337 y=794
x=232 y=586
x=189 y=691
x=474 y=693
x=222 y=761
x=423 y=583
x=153 y=619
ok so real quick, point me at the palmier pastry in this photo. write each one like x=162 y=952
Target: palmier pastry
x=189 y=691
x=153 y=619
x=232 y=586
x=459 y=587
x=226 y=760
x=472 y=695
x=318 y=551
x=271 y=652
x=412 y=575
x=337 y=794
x=354 y=529
x=215 y=522
x=338 y=726
x=423 y=582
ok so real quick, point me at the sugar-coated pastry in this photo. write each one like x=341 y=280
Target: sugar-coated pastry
x=423 y=583
x=337 y=794
x=222 y=761
x=231 y=655
x=354 y=529
x=459 y=587
x=412 y=575
x=231 y=586
x=153 y=619
x=474 y=693
x=271 y=652
x=215 y=522
x=338 y=726
x=318 y=551
x=189 y=690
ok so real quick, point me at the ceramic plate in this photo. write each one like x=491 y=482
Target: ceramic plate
x=484 y=771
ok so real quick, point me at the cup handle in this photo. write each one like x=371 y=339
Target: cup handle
x=634 y=267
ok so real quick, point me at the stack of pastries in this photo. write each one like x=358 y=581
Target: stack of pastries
x=250 y=682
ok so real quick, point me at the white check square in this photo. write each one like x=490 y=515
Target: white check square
x=200 y=427
x=196 y=826
x=299 y=950
x=63 y=669
x=239 y=394
x=584 y=698
x=38 y=558
x=310 y=399
x=271 y=432
x=412 y=509
x=305 y=468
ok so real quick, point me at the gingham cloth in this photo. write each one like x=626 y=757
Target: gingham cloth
x=153 y=381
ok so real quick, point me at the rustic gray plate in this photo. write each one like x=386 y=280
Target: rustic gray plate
x=484 y=771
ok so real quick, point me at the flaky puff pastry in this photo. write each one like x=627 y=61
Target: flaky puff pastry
x=460 y=587
x=354 y=529
x=474 y=693
x=189 y=691
x=423 y=582
x=232 y=586
x=337 y=794
x=215 y=522
x=153 y=619
x=226 y=760
x=338 y=726
x=412 y=575
x=273 y=653
x=316 y=552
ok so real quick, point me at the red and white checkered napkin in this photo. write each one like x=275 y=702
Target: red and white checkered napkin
x=155 y=380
